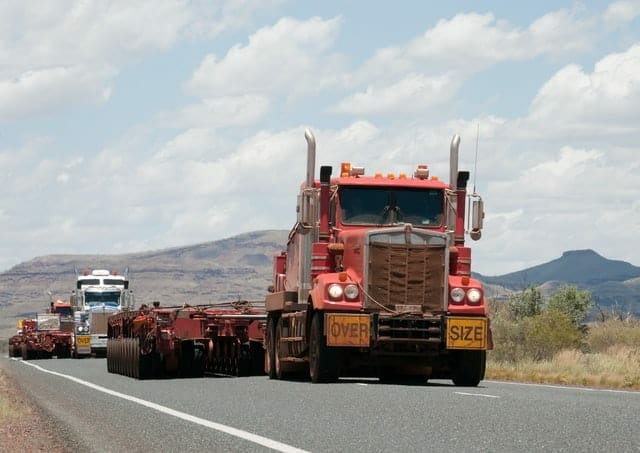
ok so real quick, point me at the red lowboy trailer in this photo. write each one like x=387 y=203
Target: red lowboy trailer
x=50 y=334
x=187 y=340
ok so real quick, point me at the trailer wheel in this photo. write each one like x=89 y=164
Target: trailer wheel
x=468 y=368
x=14 y=351
x=323 y=364
x=25 y=352
x=269 y=357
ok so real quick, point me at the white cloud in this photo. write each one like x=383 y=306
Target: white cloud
x=606 y=100
x=414 y=93
x=622 y=12
x=72 y=50
x=219 y=112
x=471 y=42
x=46 y=89
x=289 y=56
x=63 y=178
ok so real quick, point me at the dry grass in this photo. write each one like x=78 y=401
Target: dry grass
x=8 y=407
x=611 y=359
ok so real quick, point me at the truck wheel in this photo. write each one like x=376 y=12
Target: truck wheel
x=468 y=368
x=25 y=352
x=323 y=365
x=280 y=371
x=269 y=356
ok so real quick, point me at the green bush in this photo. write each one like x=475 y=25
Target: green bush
x=550 y=332
x=526 y=304
x=536 y=337
x=568 y=299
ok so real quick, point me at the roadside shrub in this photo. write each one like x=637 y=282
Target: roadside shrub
x=534 y=338
x=614 y=332
x=508 y=340
x=568 y=299
x=526 y=304
x=550 y=332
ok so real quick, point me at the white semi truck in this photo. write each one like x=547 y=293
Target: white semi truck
x=99 y=294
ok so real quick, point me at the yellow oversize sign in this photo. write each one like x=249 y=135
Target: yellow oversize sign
x=83 y=340
x=347 y=329
x=467 y=333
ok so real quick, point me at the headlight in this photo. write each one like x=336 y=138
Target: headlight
x=474 y=295
x=351 y=292
x=457 y=294
x=335 y=291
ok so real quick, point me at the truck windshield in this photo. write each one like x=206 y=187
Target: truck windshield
x=64 y=311
x=391 y=205
x=107 y=298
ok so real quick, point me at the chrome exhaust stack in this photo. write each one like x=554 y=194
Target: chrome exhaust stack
x=452 y=192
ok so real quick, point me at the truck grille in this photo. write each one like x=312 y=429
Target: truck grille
x=405 y=273
x=99 y=322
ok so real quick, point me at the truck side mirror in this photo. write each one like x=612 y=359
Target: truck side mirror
x=477 y=216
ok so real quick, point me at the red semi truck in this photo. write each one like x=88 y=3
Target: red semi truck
x=376 y=279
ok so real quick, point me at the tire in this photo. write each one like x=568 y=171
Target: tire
x=269 y=356
x=469 y=368
x=278 y=365
x=323 y=363
x=136 y=358
x=14 y=351
x=109 y=355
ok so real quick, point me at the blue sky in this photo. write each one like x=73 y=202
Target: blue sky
x=134 y=126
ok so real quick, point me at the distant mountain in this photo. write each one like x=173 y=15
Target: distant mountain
x=579 y=267
x=613 y=284
x=241 y=267
x=235 y=268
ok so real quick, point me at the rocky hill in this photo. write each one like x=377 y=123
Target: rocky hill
x=240 y=267
x=613 y=284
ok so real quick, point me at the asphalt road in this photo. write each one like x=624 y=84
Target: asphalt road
x=102 y=412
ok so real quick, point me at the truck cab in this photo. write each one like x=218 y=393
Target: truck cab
x=99 y=294
x=376 y=278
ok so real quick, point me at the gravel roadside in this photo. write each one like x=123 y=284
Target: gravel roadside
x=23 y=425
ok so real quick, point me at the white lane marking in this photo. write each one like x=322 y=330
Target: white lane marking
x=477 y=394
x=568 y=387
x=269 y=443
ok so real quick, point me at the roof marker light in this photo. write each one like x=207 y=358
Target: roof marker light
x=357 y=171
x=422 y=172
x=345 y=169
